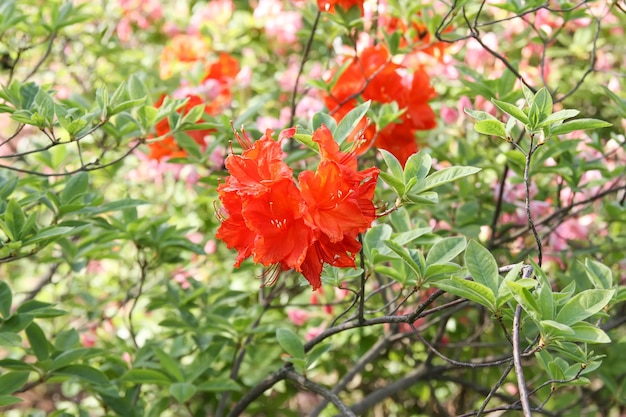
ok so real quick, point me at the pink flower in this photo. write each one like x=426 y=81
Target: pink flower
x=88 y=339
x=449 y=115
x=308 y=106
x=298 y=317
x=312 y=333
x=214 y=11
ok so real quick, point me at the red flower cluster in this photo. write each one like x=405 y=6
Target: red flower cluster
x=329 y=5
x=216 y=89
x=373 y=76
x=167 y=147
x=269 y=217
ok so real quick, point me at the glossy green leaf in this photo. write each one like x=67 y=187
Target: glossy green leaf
x=7 y=400
x=6 y=300
x=491 y=128
x=480 y=115
x=417 y=166
x=473 y=291
x=523 y=296
x=559 y=116
x=584 y=305
x=350 y=121
x=482 y=266
x=600 y=275
x=511 y=110
x=578 y=124
x=290 y=342
x=85 y=373
x=168 y=364
x=588 y=333
x=10 y=382
x=445 y=176
x=38 y=342
x=219 y=385
x=446 y=250
x=146 y=376
x=182 y=391
x=316 y=353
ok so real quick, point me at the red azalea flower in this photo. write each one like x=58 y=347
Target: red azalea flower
x=266 y=216
x=373 y=76
x=329 y=5
x=167 y=147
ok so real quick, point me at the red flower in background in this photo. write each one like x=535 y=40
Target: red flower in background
x=168 y=148
x=329 y=5
x=268 y=217
x=214 y=93
x=373 y=76
x=418 y=39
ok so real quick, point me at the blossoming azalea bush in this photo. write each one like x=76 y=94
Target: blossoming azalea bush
x=223 y=208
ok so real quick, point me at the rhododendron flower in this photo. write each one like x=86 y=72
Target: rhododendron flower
x=300 y=225
x=373 y=76
x=329 y=5
x=167 y=147
x=184 y=49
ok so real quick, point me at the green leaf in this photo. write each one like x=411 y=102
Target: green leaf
x=6 y=400
x=491 y=128
x=68 y=357
x=583 y=305
x=600 y=275
x=441 y=270
x=350 y=121
x=75 y=187
x=480 y=115
x=219 y=385
x=320 y=119
x=290 y=341
x=545 y=298
x=85 y=373
x=559 y=116
x=543 y=104
x=16 y=323
x=16 y=365
x=525 y=299
x=445 y=250
x=306 y=140
x=393 y=164
x=553 y=330
x=394 y=182
x=445 y=176
x=10 y=339
x=136 y=88
x=578 y=124
x=146 y=376
x=470 y=290
x=12 y=381
x=407 y=257
x=528 y=95
x=316 y=353
x=51 y=233
x=38 y=342
x=588 y=333
x=417 y=166
x=182 y=391
x=194 y=114
x=511 y=110
x=126 y=105
x=14 y=219
x=482 y=266
x=6 y=300
x=169 y=365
